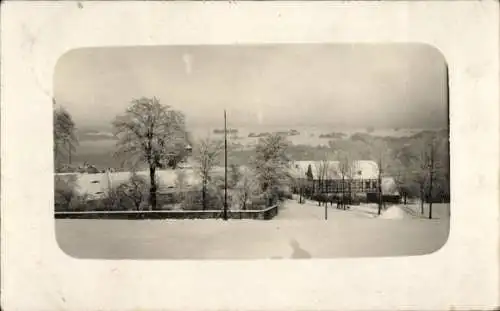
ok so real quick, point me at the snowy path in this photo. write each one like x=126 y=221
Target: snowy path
x=353 y=233
x=292 y=210
x=310 y=210
x=439 y=211
x=212 y=239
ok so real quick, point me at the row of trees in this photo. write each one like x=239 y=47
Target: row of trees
x=64 y=132
x=422 y=170
x=66 y=141
x=419 y=164
x=155 y=135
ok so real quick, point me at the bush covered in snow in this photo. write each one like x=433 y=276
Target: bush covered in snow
x=66 y=198
x=193 y=200
x=393 y=212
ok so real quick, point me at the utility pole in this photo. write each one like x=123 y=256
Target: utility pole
x=380 y=197
x=326 y=210
x=225 y=166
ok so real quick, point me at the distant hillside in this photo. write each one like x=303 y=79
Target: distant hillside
x=284 y=133
x=229 y=131
x=333 y=135
x=98 y=148
x=94 y=135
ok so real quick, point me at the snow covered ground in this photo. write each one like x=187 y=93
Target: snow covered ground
x=310 y=210
x=299 y=231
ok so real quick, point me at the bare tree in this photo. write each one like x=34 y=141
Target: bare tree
x=379 y=183
x=150 y=133
x=351 y=175
x=431 y=179
x=234 y=175
x=310 y=181
x=420 y=178
x=442 y=168
x=246 y=188
x=325 y=169
x=64 y=130
x=426 y=160
x=322 y=173
x=400 y=176
x=317 y=188
x=345 y=170
x=301 y=182
x=383 y=154
x=414 y=159
x=181 y=184
x=301 y=187
x=431 y=168
x=271 y=163
x=207 y=155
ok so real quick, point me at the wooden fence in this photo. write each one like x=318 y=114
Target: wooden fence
x=265 y=214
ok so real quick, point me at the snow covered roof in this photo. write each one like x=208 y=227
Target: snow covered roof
x=91 y=184
x=359 y=169
x=97 y=185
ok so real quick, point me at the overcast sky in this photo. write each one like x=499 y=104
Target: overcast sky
x=339 y=85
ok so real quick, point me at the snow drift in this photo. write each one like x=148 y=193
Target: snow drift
x=393 y=212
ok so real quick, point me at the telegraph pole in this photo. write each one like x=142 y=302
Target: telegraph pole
x=225 y=166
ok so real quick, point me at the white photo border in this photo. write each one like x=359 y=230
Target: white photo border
x=37 y=275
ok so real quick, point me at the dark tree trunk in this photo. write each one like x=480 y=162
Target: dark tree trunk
x=342 y=201
x=429 y=200
x=380 y=191
x=380 y=197
x=422 y=199
x=319 y=192
x=431 y=177
x=204 y=195
x=350 y=194
x=152 y=188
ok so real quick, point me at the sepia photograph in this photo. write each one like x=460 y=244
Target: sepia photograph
x=280 y=151
x=269 y=155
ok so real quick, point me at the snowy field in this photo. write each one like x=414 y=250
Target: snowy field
x=299 y=231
